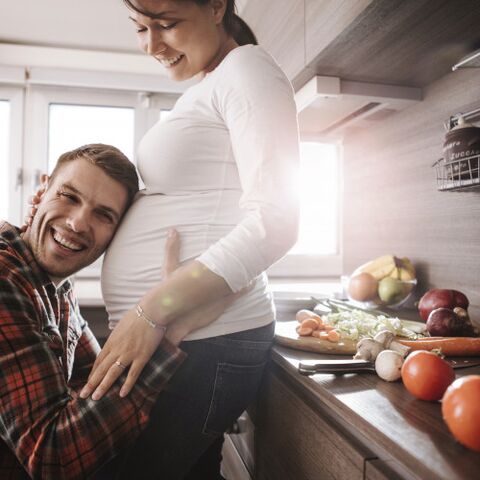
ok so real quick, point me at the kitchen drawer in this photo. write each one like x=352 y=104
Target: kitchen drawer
x=294 y=442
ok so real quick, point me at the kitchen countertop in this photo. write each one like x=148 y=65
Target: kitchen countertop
x=407 y=433
x=89 y=292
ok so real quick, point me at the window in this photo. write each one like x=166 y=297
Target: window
x=71 y=126
x=4 y=163
x=318 y=190
x=66 y=118
x=164 y=114
x=317 y=251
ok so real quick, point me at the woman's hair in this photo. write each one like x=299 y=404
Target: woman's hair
x=233 y=24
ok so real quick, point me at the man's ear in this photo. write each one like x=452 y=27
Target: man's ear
x=219 y=7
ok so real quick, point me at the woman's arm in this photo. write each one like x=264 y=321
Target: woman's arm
x=133 y=341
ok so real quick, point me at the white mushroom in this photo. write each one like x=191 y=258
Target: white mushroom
x=387 y=339
x=388 y=365
x=368 y=349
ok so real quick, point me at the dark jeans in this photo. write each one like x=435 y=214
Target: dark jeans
x=211 y=389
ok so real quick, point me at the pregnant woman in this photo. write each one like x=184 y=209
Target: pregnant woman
x=220 y=170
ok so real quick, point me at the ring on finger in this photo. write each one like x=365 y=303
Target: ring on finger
x=118 y=363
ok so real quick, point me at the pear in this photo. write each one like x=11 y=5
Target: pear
x=391 y=290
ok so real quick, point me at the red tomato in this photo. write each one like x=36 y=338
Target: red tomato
x=426 y=375
x=461 y=410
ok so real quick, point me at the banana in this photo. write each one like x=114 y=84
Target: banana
x=379 y=268
x=406 y=275
x=388 y=266
x=396 y=273
x=404 y=271
x=407 y=264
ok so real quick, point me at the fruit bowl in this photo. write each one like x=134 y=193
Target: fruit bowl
x=405 y=291
x=387 y=281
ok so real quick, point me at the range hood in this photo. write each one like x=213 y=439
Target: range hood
x=327 y=106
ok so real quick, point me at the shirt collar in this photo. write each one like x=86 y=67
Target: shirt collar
x=12 y=236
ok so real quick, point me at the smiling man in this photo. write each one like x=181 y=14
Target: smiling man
x=46 y=348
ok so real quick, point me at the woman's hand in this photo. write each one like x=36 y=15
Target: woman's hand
x=133 y=341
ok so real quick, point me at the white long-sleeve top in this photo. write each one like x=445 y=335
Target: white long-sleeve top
x=222 y=170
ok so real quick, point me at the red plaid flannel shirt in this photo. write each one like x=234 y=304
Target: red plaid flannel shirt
x=46 y=353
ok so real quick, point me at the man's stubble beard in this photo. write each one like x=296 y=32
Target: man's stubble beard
x=38 y=248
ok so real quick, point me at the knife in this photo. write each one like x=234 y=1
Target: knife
x=358 y=366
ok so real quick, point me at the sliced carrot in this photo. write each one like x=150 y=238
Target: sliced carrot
x=450 y=346
x=304 y=331
x=316 y=333
x=323 y=335
x=329 y=327
x=310 y=323
x=304 y=314
x=333 y=336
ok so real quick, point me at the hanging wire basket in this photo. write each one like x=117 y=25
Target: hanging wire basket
x=461 y=174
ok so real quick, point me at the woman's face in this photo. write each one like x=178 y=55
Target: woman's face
x=186 y=38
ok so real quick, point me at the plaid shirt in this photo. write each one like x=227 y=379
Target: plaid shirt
x=46 y=353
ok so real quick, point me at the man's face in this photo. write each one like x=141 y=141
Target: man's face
x=76 y=218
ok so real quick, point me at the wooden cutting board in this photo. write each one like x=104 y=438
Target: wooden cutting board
x=286 y=335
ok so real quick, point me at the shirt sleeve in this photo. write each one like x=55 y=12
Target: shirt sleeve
x=256 y=102
x=85 y=355
x=52 y=432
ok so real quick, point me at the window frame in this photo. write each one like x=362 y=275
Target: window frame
x=146 y=111
x=15 y=96
x=310 y=265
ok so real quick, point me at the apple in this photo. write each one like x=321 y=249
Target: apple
x=441 y=298
x=443 y=322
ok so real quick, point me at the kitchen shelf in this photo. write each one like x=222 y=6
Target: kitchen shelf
x=458 y=175
x=453 y=120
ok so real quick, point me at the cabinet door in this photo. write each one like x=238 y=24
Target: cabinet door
x=294 y=442
x=279 y=27
x=379 y=470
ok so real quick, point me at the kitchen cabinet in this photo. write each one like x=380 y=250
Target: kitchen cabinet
x=350 y=426
x=397 y=42
x=294 y=441
x=325 y=20
x=379 y=470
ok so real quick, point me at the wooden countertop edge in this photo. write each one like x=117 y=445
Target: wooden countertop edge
x=382 y=446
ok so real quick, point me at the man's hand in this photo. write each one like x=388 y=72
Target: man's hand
x=33 y=202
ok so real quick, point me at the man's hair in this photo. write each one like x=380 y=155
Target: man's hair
x=110 y=159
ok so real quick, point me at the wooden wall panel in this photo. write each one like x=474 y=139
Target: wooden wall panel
x=390 y=199
x=279 y=27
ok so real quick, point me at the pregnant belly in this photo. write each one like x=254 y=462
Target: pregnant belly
x=133 y=262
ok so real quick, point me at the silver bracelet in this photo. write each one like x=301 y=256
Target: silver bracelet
x=141 y=314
